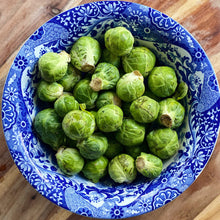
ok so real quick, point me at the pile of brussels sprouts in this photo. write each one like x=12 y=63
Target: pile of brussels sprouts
x=112 y=110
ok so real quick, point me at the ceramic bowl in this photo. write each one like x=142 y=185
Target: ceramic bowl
x=173 y=46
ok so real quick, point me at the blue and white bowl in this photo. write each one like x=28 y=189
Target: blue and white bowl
x=174 y=46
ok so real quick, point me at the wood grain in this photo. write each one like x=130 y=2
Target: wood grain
x=212 y=211
x=18 y=20
x=23 y=22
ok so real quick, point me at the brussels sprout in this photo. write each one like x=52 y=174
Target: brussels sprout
x=83 y=93
x=109 y=118
x=70 y=79
x=105 y=77
x=78 y=124
x=69 y=161
x=149 y=165
x=85 y=53
x=130 y=86
x=162 y=81
x=171 y=113
x=65 y=104
x=122 y=169
x=163 y=142
x=119 y=41
x=49 y=92
x=144 y=109
x=53 y=66
x=181 y=91
x=108 y=97
x=96 y=169
x=93 y=147
x=114 y=148
x=108 y=57
x=141 y=59
x=131 y=133
x=135 y=151
x=48 y=126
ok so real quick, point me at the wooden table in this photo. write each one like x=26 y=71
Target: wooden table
x=18 y=20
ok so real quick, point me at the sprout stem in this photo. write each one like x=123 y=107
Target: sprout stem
x=166 y=120
x=96 y=84
x=140 y=164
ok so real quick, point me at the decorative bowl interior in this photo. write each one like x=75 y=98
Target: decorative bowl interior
x=173 y=46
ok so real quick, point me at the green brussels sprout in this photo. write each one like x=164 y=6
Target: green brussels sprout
x=149 y=165
x=78 y=124
x=69 y=161
x=130 y=86
x=136 y=150
x=131 y=133
x=108 y=57
x=49 y=92
x=171 y=113
x=144 y=109
x=119 y=41
x=69 y=80
x=114 y=148
x=109 y=118
x=105 y=77
x=108 y=97
x=53 y=66
x=122 y=169
x=83 y=93
x=141 y=59
x=181 y=91
x=162 y=81
x=65 y=104
x=96 y=169
x=48 y=126
x=85 y=53
x=163 y=142
x=93 y=147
